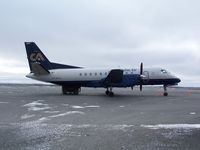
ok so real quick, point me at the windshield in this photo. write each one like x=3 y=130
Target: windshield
x=163 y=71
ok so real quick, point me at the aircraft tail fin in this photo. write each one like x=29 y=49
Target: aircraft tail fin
x=35 y=55
x=38 y=69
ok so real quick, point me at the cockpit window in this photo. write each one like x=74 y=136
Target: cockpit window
x=163 y=71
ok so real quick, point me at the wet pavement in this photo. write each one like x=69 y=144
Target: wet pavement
x=40 y=117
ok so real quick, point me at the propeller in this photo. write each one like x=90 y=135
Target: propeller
x=141 y=76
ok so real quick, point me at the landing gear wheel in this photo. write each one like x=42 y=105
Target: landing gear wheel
x=111 y=94
x=64 y=91
x=107 y=92
x=75 y=93
x=165 y=94
x=165 y=90
x=70 y=90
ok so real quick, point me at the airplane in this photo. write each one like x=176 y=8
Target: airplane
x=72 y=78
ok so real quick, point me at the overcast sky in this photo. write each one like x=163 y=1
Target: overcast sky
x=103 y=33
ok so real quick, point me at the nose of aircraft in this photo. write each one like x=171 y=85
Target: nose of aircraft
x=177 y=80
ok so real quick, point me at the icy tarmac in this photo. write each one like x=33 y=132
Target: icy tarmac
x=40 y=117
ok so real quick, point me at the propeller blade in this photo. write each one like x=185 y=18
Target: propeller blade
x=141 y=72
x=141 y=68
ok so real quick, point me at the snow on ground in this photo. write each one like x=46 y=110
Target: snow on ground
x=82 y=107
x=172 y=126
x=26 y=116
x=52 y=112
x=37 y=106
x=92 y=106
x=77 y=107
x=192 y=113
x=67 y=113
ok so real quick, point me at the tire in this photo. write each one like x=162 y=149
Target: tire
x=75 y=92
x=165 y=94
x=107 y=92
x=70 y=90
x=111 y=94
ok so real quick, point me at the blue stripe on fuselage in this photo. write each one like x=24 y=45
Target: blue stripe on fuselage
x=127 y=81
x=169 y=81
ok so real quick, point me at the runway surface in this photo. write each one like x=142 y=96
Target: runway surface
x=40 y=117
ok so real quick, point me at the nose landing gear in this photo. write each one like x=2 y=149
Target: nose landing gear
x=165 y=90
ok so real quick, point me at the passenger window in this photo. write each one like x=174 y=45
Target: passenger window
x=100 y=74
x=95 y=74
x=90 y=74
x=85 y=74
x=163 y=71
x=80 y=74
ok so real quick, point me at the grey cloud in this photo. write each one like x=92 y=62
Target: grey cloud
x=107 y=33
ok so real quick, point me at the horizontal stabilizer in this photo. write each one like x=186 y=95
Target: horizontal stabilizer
x=38 y=69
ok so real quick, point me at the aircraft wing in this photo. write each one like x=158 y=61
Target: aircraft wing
x=38 y=69
x=115 y=76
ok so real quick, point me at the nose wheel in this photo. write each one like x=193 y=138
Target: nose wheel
x=165 y=90
x=109 y=92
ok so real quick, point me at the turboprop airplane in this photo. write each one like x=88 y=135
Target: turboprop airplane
x=72 y=78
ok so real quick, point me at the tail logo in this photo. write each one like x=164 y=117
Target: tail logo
x=36 y=57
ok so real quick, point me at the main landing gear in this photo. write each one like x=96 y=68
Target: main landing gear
x=71 y=90
x=109 y=92
x=165 y=90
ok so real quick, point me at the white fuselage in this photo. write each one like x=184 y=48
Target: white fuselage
x=83 y=74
